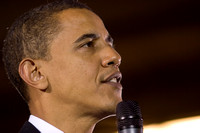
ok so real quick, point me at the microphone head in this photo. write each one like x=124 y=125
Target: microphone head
x=129 y=115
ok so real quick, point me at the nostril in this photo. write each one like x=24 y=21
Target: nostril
x=111 y=63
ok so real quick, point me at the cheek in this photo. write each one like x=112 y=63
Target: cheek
x=83 y=68
x=76 y=73
x=83 y=73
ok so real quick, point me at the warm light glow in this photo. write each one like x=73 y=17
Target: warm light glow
x=185 y=125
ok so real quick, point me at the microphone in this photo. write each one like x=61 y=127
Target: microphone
x=129 y=117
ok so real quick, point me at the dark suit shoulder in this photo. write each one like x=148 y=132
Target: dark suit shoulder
x=28 y=128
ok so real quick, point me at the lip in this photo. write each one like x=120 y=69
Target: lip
x=116 y=75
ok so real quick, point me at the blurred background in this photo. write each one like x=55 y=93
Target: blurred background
x=159 y=41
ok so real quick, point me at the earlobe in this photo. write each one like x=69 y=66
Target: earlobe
x=31 y=74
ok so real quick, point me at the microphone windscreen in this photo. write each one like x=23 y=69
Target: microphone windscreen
x=128 y=115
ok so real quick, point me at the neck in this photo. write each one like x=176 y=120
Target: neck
x=67 y=119
x=68 y=122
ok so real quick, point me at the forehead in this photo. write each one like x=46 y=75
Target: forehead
x=81 y=21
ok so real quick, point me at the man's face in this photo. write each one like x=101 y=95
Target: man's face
x=83 y=71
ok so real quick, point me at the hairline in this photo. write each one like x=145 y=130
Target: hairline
x=59 y=24
x=47 y=57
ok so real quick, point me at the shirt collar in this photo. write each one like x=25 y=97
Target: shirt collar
x=43 y=126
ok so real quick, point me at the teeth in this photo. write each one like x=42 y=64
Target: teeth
x=114 y=80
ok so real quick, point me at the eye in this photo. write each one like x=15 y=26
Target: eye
x=88 y=44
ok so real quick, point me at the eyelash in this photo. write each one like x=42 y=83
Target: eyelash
x=88 y=44
x=91 y=44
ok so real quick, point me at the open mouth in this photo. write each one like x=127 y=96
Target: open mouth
x=114 y=80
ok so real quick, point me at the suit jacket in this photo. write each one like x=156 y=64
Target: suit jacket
x=28 y=128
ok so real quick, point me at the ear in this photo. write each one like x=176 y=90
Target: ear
x=30 y=73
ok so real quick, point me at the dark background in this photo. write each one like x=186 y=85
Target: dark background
x=159 y=41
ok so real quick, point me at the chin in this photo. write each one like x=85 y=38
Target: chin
x=110 y=108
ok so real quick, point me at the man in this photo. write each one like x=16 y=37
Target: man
x=61 y=59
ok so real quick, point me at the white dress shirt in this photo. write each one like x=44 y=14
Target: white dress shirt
x=43 y=126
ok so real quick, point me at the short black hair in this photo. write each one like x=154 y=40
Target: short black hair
x=30 y=36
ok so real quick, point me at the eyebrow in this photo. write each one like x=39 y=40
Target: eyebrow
x=86 y=36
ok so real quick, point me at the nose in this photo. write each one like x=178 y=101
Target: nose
x=110 y=57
